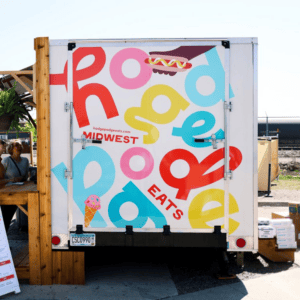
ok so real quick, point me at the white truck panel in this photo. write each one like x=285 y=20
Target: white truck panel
x=106 y=170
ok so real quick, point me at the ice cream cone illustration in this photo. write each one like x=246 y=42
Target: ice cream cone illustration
x=92 y=204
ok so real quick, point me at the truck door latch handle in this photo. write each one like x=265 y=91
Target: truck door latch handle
x=84 y=141
x=212 y=140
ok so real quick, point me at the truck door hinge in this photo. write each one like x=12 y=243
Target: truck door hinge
x=67 y=106
x=228 y=106
x=68 y=173
x=71 y=46
x=226 y=44
x=228 y=175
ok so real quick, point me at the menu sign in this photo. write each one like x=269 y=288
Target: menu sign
x=8 y=277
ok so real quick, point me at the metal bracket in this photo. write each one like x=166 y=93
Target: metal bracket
x=212 y=140
x=79 y=229
x=84 y=141
x=71 y=46
x=226 y=44
x=228 y=106
x=67 y=173
x=129 y=230
x=67 y=106
x=228 y=175
x=217 y=229
x=167 y=230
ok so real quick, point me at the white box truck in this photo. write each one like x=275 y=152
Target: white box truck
x=154 y=143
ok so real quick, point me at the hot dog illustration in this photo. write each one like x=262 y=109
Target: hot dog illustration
x=177 y=60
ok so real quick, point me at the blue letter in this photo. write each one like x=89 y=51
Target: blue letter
x=146 y=208
x=215 y=70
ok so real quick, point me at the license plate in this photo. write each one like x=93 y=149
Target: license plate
x=86 y=239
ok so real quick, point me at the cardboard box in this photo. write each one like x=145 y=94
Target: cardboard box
x=280 y=215
x=269 y=249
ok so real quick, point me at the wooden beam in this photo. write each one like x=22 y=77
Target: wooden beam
x=79 y=268
x=34 y=238
x=57 y=267
x=41 y=46
x=67 y=267
x=29 y=72
x=21 y=82
x=23 y=210
x=13 y=198
x=26 y=80
x=23 y=272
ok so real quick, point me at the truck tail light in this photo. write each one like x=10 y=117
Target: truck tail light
x=241 y=243
x=55 y=240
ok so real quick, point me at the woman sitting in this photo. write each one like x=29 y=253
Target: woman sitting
x=16 y=170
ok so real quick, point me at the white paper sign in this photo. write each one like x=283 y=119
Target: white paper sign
x=8 y=277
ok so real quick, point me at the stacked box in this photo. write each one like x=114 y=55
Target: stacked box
x=285 y=233
x=294 y=214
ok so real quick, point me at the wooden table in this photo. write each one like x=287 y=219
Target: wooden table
x=21 y=195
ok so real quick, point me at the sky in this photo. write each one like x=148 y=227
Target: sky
x=275 y=23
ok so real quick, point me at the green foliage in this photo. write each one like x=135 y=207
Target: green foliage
x=12 y=105
x=29 y=127
x=289 y=177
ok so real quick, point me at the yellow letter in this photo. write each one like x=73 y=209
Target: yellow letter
x=199 y=218
x=147 y=112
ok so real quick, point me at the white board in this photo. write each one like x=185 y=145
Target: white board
x=8 y=278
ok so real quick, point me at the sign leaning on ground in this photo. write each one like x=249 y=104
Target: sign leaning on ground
x=8 y=278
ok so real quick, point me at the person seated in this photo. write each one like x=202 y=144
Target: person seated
x=16 y=170
x=2 y=150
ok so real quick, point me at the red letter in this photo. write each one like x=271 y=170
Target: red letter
x=195 y=178
x=171 y=204
x=133 y=139
x=153 y=189
x=97 y=138
x=178 y=215
x=88 y=136
x=126 y=139
x=162 y=198
x=118 y=138
x=80 y=95
x=109 y=137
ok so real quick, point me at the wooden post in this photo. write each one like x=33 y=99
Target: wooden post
x=41 y=46
x=34 y=238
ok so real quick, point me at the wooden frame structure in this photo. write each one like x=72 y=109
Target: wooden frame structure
x=45 y=267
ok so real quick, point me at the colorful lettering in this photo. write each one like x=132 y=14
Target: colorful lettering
x=146 y=209
x=147 y=112
x=198 y=217
x=188 y=132
x=116 y=69
x=80 y=193
x=81 y=94
x=215 y=70
x=137 y=175
x=196 y=178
